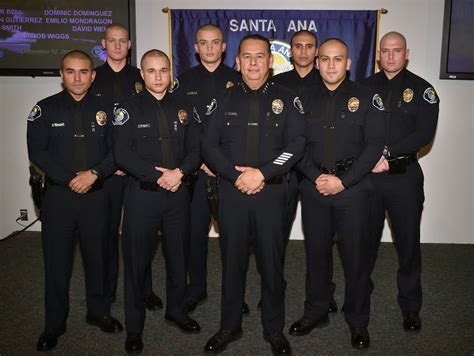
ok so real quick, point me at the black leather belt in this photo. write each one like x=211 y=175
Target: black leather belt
x=151 y=186
x=277 y=179
x=98 y=185
x=398 y=164
x=339 y=167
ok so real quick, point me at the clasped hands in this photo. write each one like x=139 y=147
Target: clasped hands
x=170 y=179
x=82 y=182
x=250 y=181
x=327 y=184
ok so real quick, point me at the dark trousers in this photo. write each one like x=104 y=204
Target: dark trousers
x=146 y=212
x=346 y=214
x=115 y=189
x=67 y=215
x=199 y=235
x=261 y=217
x=402 y=197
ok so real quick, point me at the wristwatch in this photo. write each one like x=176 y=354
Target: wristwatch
x=95 y=172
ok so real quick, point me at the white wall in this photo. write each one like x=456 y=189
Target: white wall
x=449 y=213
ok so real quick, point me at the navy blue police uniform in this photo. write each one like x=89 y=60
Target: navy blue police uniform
x=64 y=137
x=261 y=129
x=148 y=133
x=200 y=87
x=113 y=88
x=344 y=138
x=412 y=115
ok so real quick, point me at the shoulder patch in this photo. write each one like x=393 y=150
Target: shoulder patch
x=196 y=115
x=121 y=116
x=430 y=95
x=174 y=85
x=298 y=105
x=211 y=107
x=377 y=102
x=34 y=113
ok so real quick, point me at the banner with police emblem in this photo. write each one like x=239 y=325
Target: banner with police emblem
x=357 y=28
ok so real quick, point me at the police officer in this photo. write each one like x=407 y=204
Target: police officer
x=344 y=139
x=411 y=117
x=70 y=140
x=157 y=143
x=301 y=79
x=200 y=85
x=116 y=80
x=252 y=140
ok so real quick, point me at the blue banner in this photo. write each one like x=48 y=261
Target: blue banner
x=357 y=28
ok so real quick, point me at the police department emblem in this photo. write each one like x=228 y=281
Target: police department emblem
x=281 y=56
x=353 y=104
x=277 y=106
x=377 y=102
x=211 y=107
x=183 y=117
x=35 y=113
x=298 y=105
x=407 y=95
x=430 y=95
x=101 y=118
x=229 y=84
x=174 y=85
x=138 y=87
x=196 y=115
x=121 y=117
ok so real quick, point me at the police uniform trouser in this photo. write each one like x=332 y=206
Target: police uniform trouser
x=347 y=214
x=115 y=189
x=262 y=216
x=199 y=236
x=402 y=196
x=146 y=212
x=67 y=215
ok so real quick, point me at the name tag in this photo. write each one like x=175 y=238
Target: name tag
x=143 y=126
x=58 y=124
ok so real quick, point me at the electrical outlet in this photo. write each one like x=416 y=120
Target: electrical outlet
x=23 y=214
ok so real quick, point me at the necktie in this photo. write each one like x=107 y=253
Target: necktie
x=251 y=148
x=165 y=139
x=80 y=152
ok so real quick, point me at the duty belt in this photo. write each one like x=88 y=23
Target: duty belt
x=398 y=164
x=339 y=167
x=98 y=185
x=277 y=179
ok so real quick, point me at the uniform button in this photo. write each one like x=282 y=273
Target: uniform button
x=228 y=124
x=276 y=124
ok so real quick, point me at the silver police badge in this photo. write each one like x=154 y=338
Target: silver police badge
x=407 y=95
x=211 y=107
x=377 y=102
x=138 y=87
x=277 y=106
x=174 y=85
x=229 y=84
x=353 y=104
x=35 y=113
x=430 y=95
x=298 y=105
x=183 y=117
x=101 y=118
x=121 y=117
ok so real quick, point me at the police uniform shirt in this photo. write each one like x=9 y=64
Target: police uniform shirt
x=52 y=136
x=357 y=125
x=281 y=125
x=138 y=140
x=200 y=86
x=297 y=84
x=128 y=80
x=413 y=110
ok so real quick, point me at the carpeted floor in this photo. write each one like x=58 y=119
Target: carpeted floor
x=448 y=312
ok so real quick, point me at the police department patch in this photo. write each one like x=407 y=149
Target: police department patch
x=183 y=117
x=35 y=113
x=407 y=95
x=277 y=106
x=211 y=107
x=377 y=102
x=138 y=87
x=101 y=118
x=298 y=105
x=229 y=84
x=353 y=104
x=121 y=117
x=196 y=115
x=430 y=95
x=174 y=85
